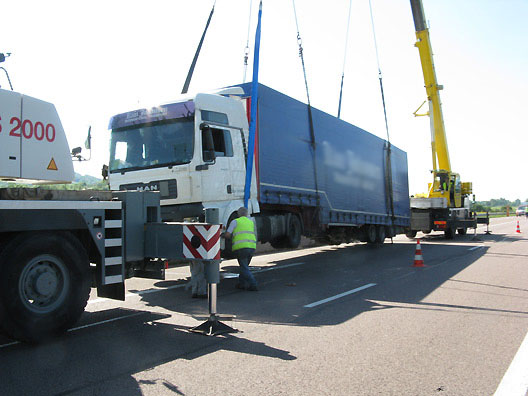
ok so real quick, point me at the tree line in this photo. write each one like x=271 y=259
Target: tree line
x=497 y=205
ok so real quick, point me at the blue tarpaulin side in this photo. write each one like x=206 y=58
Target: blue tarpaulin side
x=351 y=164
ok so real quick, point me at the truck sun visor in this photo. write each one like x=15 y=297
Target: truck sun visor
x=143 y=116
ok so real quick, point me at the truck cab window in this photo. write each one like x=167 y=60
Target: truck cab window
x=217 y=140
x=155 y=144
x=214 y=116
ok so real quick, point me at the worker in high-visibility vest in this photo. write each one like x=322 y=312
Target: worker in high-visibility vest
x=244 y=242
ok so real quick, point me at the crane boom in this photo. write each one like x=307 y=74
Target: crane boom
x=446 y=184
x=438 y=136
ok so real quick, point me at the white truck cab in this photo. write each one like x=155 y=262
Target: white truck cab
x=193 y=151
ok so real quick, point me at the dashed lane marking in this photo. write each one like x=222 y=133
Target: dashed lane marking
x=315 y=304
x=85 y=326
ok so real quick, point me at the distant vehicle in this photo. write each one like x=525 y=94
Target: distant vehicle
x=521 y=210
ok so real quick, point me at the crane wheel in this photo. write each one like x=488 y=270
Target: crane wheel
x=45 y=285
x=449 y=233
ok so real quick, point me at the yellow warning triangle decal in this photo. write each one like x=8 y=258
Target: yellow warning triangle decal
x=52 y=165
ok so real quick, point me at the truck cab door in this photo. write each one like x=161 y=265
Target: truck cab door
x=458 y=192
x=217 y=156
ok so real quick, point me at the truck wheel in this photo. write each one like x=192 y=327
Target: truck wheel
x=293 y=235
x=449 y=233
x=461 y=231
x=381 y=235
x=410 y=234
x=227 y=253
x=426 y=231
x=45 y=285
x=279 y=243
x=372 y=233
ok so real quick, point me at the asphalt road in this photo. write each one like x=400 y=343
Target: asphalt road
x=341 y=320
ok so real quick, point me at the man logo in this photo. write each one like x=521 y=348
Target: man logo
x=153 y=187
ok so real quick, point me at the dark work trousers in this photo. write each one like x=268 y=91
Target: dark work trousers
x=244 y=256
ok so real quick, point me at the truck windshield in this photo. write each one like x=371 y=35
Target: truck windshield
x=152 y=145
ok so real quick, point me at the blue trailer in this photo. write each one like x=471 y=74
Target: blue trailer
x=342 y=182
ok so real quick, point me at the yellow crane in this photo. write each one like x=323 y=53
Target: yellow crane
x=446 y=193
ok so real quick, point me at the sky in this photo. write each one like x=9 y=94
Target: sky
x=100 y=58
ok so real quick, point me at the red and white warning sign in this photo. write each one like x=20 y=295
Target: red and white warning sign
x=201 y=241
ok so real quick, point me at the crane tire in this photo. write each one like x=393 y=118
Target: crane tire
x=45 y=285
x=449 y=233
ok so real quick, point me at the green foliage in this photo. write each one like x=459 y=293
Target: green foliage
x=497 y=205
x=80 y=183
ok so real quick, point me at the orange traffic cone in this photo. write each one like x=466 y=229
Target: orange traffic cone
x=418 y=259
x=518 y=229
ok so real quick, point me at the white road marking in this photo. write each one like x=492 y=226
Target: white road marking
x=139 y=293
x=314 y=304
x=515 y=381
x=148 y=291
x=11 y=343
x=277 y=267
x=85 y=326
x=475 y=247
x=105 y=321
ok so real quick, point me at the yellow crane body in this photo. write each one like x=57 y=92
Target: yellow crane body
x=446 y=184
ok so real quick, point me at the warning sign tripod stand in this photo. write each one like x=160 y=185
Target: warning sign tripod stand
x=202 y=242
x=212 y=326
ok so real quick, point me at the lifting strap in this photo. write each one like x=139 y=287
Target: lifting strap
x=310 y=119
x=193 y=64
x=388 y=170
x=379 y=70
x=344 y=61
x=246 y=50
x=253 y=112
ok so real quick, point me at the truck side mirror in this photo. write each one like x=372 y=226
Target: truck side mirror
x=76 y=153
x=104 y=171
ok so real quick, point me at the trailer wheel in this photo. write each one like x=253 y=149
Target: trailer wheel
x=45 y=285
x=410 y=234
x=293 y=235
x=372 y=233
x=381 y=234
x=462 y=231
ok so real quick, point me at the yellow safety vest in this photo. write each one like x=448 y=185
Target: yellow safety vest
x=244 y=234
